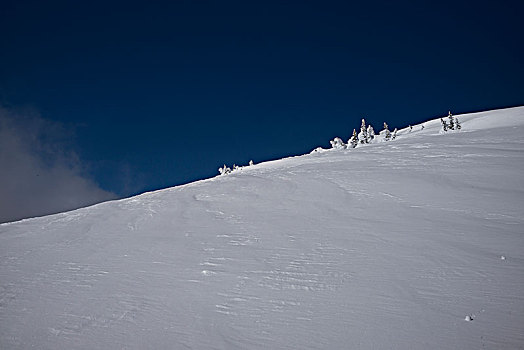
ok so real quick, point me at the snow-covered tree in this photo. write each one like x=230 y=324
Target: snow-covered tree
x=224 y=170
x=410 y=128
x=457 y=124
x=363 y=134
x=353 y=141
x=337 y=143
x=370 y=133
x=444 y=124
x=386 y=132
x=451 y=124
x=251 y=163
x=394 y=136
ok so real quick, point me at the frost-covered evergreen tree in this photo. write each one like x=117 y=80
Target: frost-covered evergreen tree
x=444 y=124
x=363 y=134
x=386 y=132
x=457 y=124
x=251 y=163
x=353 y=141
x=337 y=143
x=224 y=170
x=451 y=124
x=394 y=136
x=371 y=133
x=410 y=128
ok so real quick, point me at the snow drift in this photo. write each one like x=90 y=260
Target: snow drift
x=391 y=245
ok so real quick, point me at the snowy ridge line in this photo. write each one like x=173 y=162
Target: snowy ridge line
x=367 y=136
x=511 y=116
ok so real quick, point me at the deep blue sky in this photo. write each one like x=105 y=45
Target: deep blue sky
x=162 y=93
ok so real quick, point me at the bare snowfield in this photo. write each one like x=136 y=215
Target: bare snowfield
x=390 y=245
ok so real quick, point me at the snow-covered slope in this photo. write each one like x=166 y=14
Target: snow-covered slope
x=387 y=246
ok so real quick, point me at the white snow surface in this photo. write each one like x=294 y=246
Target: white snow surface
x=387 y=246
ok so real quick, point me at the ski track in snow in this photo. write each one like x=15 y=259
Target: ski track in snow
x=414 y=243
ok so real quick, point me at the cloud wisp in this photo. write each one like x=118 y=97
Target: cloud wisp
x=39 y=174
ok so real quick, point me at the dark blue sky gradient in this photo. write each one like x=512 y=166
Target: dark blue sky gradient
x=163 y=93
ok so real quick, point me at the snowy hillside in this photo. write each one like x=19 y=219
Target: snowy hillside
x=386 y=246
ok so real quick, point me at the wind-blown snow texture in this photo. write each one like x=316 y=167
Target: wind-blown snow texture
x=387 y=246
